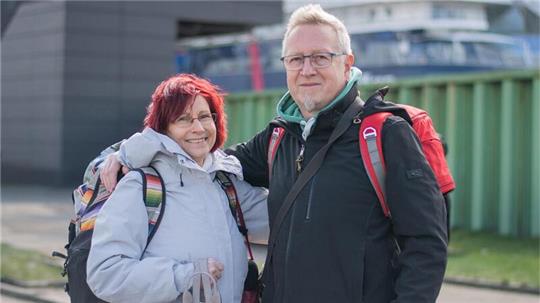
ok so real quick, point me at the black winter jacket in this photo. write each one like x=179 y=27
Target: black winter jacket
x=335 y=244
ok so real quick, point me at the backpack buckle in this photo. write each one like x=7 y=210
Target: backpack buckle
x=369 y=133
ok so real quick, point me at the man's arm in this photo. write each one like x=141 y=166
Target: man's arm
x=418 y=214
x=135 y=152
x=253 y=157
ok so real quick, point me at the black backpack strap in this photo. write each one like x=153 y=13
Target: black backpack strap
x=313 y=166
x=228 y=187
x=154 y=193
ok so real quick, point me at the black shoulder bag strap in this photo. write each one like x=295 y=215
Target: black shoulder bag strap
x=310 y=170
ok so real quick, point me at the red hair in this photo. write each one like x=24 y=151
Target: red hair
x=175 y=94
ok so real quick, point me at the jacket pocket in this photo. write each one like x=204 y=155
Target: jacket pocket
x=395 y=266
x=358 y=290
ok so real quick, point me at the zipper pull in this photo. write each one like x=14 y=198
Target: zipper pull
x=299 y=159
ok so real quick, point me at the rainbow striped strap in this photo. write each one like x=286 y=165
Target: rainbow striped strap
x=89 y=197
x=93 y=199
x=154 y=197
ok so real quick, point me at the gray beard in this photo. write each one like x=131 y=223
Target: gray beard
x=309 y=104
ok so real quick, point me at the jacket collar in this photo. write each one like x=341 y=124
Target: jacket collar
x=289 y=111
x=376 y=103
x=327 y=119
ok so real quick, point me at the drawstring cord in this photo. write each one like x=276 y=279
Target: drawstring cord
x=181 y=180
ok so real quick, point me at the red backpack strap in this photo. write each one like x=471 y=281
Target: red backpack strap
x=273 y=145
x=234 y=204
x=370 y=137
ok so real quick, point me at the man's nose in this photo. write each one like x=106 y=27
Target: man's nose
x=307 y=68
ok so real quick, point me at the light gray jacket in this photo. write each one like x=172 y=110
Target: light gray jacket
x=197 y=223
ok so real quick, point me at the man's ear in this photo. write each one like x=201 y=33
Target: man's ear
x=349 y=62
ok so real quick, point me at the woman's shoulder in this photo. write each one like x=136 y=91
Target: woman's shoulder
x=227 y=163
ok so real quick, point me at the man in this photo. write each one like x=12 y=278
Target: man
x=335 y=244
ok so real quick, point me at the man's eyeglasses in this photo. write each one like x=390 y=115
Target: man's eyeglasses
x=205 y=119
x=317 y=60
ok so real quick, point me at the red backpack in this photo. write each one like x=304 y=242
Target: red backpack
x=373 y=157
x=372 y=154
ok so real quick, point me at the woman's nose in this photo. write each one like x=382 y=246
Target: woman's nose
x=196 y=125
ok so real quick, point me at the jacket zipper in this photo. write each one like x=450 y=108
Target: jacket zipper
x=300 y=159
x=311 y=190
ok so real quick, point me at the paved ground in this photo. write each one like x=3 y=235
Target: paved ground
x=36 y=218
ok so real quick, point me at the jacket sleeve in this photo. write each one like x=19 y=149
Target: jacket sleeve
x=139 y=150
x=115 y=271
x=253 y=157
x=111 y=149
x=418 y=214
x=255 y=210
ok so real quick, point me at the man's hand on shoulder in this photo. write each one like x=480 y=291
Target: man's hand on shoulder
x=109 y=171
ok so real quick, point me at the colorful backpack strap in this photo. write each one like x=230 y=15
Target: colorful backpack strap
x=273 y=145
x=93 y=199
x=154 y=198
x=90 y=198
x=370 y=137
x=228 y=187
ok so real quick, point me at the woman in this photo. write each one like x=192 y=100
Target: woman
x=185 y=126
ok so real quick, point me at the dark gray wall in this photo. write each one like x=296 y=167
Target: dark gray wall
x=77 y=76
x=116 y=54
x=32 y=93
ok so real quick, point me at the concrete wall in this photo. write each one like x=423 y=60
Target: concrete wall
x=115 y=56
x=32 y=93
x=78 y=75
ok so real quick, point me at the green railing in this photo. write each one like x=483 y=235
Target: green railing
x=491 y=122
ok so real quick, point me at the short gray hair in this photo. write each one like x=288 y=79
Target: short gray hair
x=314 y=14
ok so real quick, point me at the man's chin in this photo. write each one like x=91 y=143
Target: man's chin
x=312 y=106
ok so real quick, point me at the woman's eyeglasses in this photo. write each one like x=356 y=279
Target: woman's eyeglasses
x=187 y=120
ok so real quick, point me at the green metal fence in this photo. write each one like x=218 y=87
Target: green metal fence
x=491 y=122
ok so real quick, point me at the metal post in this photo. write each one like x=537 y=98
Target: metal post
x=535 y=153
x=451 y=136
x=506 y=211
x=404 y=95
x=478 y=155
